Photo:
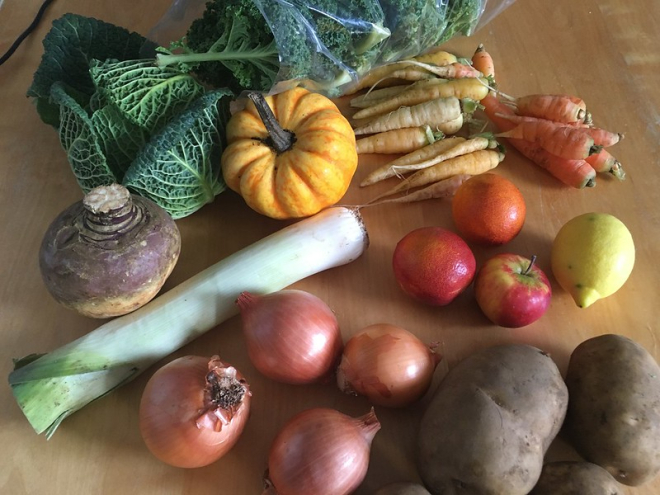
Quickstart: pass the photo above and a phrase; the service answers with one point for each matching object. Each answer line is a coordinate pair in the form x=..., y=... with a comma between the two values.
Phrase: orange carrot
x=564, y=141
x=497, y=112
x=558, y=108
x=603, y=161
x=483, y=62
x=601, y=137
x=574, y=173
x=404, y=140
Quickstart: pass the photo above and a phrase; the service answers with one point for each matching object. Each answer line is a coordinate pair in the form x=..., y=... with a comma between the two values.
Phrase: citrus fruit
x=592, y=257
x=433, y=265
x=488, y=209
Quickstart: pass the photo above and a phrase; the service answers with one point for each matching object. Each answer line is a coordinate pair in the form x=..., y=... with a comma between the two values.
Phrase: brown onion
x=292, y=336
x=321, y=451
x=193, y=411
x=387, y=364
x=110, y=253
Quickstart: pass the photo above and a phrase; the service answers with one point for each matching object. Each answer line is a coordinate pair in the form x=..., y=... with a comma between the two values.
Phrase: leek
x=53, y=386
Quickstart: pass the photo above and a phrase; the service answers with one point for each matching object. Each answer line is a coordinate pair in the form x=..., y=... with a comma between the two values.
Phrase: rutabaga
x=51, y=387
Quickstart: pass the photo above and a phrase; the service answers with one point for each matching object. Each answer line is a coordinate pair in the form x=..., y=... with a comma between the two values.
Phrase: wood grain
x=604, y=51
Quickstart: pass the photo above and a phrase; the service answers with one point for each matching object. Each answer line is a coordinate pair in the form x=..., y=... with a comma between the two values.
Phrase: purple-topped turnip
x=109, y=253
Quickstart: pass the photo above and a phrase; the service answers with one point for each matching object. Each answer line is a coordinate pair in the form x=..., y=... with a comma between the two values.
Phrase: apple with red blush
x=511, y=290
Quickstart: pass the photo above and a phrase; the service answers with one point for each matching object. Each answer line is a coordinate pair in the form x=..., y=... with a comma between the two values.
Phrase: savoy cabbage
x=122, y=119
x=69, y=47
x=146, y=94
x=179, y=168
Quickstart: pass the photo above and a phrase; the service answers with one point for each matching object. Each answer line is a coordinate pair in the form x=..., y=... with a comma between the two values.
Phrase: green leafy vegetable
x=148, y=95
x=121, y=118
x=328, y=41
x=233, y=45
x=79, y=139
x=179, y=168
x=229, y=46
x=462, y=18
x=415, y=26
x=120, y=139
x=71, y=44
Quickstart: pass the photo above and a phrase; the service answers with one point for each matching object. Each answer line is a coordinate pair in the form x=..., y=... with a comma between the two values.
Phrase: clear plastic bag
x=328, y=44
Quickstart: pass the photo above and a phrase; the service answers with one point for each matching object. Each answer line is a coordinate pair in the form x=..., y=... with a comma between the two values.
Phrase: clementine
x=433, y=265
x=488, y=209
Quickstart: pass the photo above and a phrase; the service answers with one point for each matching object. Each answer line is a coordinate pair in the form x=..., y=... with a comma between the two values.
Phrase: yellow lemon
x=592, y=257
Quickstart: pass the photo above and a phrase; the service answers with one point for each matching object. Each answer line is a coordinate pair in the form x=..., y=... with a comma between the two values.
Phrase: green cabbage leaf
x=148, y=95
x=69, y=47
x=79, y=139
x=123, y=119
x=179, y=168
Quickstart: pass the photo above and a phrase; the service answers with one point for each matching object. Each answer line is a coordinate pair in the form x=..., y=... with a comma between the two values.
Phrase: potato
x=490, y=422
x=402, y=488
x=575, y=478
x=613, y=416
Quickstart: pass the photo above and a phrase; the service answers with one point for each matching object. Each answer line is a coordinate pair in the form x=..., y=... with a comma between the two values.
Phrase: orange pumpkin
x=289, y=155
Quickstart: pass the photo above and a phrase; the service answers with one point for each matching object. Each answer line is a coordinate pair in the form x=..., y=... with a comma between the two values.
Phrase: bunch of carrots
x=554, y=131
x=417, y=110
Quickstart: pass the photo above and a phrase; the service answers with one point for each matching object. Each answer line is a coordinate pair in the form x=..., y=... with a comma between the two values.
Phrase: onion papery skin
x=180, y=424
x=321, y=451
x=292, y=336
x=387, y=364
x=110, y=253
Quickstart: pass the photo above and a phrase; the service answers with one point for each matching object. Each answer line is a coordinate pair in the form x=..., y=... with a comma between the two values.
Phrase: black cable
x=27, y=32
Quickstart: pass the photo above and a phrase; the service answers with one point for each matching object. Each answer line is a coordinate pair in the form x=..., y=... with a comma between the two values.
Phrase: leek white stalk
x=51, y=387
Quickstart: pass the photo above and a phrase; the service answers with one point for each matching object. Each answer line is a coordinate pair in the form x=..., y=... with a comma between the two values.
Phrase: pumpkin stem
x=280, y=139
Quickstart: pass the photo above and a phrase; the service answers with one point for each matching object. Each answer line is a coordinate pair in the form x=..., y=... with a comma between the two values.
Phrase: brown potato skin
x=613, y=416
x=490, y=422
x=575, y=478
x=402, y=488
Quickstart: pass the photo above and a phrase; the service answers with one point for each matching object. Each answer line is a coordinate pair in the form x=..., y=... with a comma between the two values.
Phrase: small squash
x=289, y=155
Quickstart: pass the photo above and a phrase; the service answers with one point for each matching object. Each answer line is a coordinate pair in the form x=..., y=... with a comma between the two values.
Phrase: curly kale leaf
x=229, y=46
x=79, y=139
x=179, y=168
x=415, y=26
x=462, y=17
x=71, y=44
x=327, y=41
x=249, y=44
x=148, y=95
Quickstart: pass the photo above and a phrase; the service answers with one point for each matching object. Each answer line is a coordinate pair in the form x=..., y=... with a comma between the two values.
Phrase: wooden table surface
x=604, y=51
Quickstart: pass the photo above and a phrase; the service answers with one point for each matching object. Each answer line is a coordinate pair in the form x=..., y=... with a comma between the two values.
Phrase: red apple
x=511, y=290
